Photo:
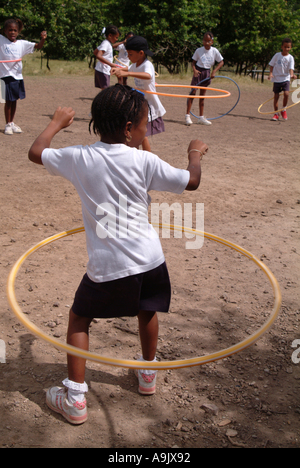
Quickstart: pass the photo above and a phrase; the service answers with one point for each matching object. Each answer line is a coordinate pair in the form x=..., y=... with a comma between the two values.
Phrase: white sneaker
x=203, y=121
x=188, y=120
x=147, y=381
x=15, y=128
x=56, y=399
x=8, y=129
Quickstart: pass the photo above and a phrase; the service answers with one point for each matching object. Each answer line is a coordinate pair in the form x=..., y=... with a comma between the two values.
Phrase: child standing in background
x=104, y=54
x=126, y=273
x=123, y=59
x=281, y=73
x=11, y=51
x=203, y=59
x=143, y=73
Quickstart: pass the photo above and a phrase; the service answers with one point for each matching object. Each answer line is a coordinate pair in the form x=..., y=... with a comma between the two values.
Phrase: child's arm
x=220, y=64
x=120, y=72
x=196, y=72
x=271, y=73
x=293, y=76
x=99, y=55
x=43, y=38
x=116, y=44
x=62, y=118
x=196, y=150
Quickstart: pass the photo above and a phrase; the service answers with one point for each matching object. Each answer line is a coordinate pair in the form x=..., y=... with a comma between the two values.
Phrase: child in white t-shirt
x=11, y=52
x=143, y=73
x=126, y=272
x=122, y=59
x=281, y=72
x=203, y=59
x=105, y=55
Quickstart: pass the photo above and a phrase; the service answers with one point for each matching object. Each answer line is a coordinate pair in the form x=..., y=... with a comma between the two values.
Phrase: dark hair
x=210, y=34
x=287, y=39
x=111, y=29
x=113, y=107
x=10, y=21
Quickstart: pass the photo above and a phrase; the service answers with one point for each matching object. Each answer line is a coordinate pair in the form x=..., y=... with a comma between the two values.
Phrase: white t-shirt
x=113, y=183
x=157, y=109
x=282, y=65
x=207, y=58
x=108, y=55
x=123, y=55
x=10, y=51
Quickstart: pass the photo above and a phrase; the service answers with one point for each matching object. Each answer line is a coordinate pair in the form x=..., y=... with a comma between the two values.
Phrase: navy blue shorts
x=102, y=80
x=204, y=75
x=155, y=127
x=14, y=89
x=278, y=87
x=124, y=297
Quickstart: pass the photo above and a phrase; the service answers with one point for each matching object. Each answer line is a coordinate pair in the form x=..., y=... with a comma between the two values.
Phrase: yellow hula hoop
x=226, y=93
x=131, y=363
x=272, y=112
x=120, y=62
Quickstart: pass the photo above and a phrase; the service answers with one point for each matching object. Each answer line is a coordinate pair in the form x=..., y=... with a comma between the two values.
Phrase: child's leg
x=148, y=328
x=190, y=102
x=70, y=400
x=201, y=103
x=276, y=99
x=285, y=98
x=78, y=335
x=10, y=110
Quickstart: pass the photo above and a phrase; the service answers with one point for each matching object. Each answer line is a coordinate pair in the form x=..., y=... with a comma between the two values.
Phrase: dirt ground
x=250, y=192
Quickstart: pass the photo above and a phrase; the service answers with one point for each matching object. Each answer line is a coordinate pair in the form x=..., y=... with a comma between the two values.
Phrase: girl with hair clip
x=126, y=271
x=11, y=52
x=105, y=55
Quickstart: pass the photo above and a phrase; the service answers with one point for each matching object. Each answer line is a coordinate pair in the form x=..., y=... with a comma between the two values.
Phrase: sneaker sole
x=147, y=391
x=76, y=420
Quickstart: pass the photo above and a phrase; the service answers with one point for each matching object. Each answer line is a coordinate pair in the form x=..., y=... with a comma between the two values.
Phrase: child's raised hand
x=44, y=34
x=198, y=146
x=63, y=116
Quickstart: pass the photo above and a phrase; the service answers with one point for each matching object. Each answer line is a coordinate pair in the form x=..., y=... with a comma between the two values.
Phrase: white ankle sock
x=148, y=371
x=76, y=391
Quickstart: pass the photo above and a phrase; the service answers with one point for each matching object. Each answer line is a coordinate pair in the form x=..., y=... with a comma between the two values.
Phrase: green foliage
x=248, y=32
x=251, y=32
x=174, y=29
x=72, y=26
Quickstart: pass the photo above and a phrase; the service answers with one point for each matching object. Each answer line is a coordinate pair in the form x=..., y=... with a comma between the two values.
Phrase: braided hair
x=113, y=107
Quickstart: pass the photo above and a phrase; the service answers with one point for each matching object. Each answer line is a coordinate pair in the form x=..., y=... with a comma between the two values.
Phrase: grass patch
x=35, y=65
